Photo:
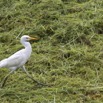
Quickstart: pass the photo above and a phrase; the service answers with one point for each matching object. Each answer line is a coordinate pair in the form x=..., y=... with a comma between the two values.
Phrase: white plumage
x=18, y=59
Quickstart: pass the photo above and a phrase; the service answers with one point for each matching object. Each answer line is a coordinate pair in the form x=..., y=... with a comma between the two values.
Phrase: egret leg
x=32, y=77
x=5, y=78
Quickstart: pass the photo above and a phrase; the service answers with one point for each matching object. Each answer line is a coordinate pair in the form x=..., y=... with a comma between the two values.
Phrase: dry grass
x=68, y=55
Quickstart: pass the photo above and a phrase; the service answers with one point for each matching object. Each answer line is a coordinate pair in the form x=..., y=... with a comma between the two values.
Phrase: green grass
x=68, y=55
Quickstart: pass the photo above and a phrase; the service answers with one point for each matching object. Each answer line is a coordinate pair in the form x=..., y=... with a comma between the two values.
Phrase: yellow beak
x=31, y=38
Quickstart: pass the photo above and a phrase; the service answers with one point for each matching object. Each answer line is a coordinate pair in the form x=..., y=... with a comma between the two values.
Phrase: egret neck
x=28, y=48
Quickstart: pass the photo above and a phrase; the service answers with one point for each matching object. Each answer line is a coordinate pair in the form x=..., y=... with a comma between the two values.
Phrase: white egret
x=18, y=59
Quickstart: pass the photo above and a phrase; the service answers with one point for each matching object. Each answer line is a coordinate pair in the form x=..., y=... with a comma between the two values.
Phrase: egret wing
x=16, y=59
x=11, y=62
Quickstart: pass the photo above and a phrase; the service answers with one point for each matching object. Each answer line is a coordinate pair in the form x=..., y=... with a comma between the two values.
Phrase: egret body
x=18, y=59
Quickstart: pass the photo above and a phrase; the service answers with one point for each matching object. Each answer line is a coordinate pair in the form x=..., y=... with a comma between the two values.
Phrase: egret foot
x=39, y=83
x=3, y=82
x=5, y=78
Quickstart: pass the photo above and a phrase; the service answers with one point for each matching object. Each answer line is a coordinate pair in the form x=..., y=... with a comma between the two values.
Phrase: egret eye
x=27, y=38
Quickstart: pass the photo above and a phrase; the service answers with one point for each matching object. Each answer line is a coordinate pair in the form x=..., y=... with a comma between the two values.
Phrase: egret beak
x=33, y=38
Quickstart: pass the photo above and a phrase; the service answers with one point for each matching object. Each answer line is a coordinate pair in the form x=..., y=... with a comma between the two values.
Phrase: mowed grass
x=68, y=55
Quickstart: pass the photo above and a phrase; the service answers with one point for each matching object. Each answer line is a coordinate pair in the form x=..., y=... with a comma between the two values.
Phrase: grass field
x=68, y=56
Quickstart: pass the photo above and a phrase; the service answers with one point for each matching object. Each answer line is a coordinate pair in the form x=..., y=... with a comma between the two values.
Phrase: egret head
x=27, y=38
